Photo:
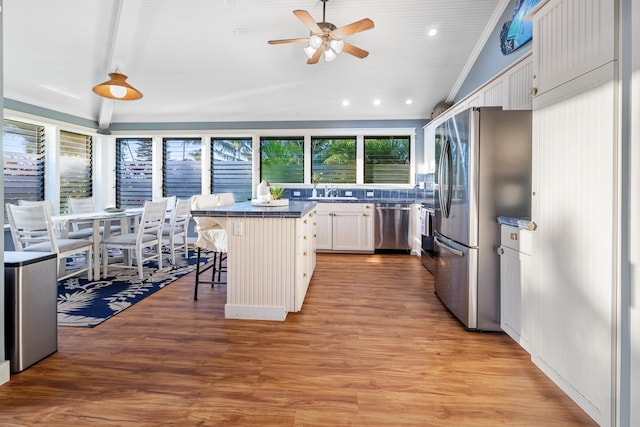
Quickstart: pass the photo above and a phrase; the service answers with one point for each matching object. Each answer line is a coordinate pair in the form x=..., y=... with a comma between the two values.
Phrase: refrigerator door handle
x=447, y=247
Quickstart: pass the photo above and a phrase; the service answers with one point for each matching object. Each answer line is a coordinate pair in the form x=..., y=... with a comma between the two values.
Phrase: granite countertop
x=295, y=209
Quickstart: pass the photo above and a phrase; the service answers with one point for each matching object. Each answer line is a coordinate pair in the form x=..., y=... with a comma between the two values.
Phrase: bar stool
x=212, y=237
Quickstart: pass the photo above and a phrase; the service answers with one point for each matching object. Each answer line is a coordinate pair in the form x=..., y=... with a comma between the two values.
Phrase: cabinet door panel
x=574, y=158
x=347, y=231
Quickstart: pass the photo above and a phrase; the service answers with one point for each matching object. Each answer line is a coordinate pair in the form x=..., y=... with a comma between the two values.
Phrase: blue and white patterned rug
x=87, y=304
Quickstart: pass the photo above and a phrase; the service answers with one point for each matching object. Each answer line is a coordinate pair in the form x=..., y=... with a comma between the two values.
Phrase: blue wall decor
x=517, y=31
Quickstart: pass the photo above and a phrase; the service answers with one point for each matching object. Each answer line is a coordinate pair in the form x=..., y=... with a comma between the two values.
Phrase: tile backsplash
x=372, y=193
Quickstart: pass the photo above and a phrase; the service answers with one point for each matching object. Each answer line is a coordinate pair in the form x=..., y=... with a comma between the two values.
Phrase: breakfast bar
x=271, y=256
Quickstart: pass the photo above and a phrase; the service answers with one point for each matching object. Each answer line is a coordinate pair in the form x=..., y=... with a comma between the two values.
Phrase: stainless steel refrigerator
x=483, y=171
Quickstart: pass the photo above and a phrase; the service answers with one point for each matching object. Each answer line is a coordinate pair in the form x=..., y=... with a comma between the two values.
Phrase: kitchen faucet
x=331, y=190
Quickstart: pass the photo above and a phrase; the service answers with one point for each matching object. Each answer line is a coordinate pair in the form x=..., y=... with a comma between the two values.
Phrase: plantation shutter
x=23, y=162
x=134, y=172
x=231, y=167
x=75, y=167
x=182, y=167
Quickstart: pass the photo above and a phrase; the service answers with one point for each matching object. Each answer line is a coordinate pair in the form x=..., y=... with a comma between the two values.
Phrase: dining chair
x=211, y=237
x=85, y=233
x=177, y=228
x=82, y=205
x=32, y=231
x=147, y=236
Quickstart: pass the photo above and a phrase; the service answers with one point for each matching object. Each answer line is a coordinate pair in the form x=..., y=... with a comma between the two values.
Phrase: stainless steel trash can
x=31, y=315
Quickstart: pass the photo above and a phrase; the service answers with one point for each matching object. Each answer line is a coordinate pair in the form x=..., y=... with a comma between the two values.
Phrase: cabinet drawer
x=517, y=239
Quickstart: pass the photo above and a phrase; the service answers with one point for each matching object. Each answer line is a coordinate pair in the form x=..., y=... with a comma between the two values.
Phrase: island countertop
x=295, y=209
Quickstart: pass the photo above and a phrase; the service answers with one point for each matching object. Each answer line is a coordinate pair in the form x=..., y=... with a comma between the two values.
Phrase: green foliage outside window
x=335, y=159
x=386, y=160
x=282, y=160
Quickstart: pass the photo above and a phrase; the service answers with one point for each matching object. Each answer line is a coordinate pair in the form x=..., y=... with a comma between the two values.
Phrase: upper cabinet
x=571, y=39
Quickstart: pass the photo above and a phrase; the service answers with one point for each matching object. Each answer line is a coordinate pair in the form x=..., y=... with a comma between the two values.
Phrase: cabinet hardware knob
x=304, y=253
x=365, y=214
x=305, y=237
x=532, y=226
x=533, y=91
x=500, y=250
x=305, y=221
x=513, y=236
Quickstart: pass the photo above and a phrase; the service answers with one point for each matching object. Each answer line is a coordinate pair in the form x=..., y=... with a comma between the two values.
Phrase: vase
x=314, y=193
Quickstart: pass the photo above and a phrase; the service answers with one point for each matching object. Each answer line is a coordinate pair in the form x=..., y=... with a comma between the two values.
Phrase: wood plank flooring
x=372, y=346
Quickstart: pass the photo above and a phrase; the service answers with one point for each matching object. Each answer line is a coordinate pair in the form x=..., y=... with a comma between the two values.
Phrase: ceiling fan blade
x=355, y=27
x=288, y=41
x=355, y=51
x=316, y=56
x=308, y=21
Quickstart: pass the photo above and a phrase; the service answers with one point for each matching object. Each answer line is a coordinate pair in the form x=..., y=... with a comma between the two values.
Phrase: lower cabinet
x=345, y=227
x=516, y=314
x=305, y=256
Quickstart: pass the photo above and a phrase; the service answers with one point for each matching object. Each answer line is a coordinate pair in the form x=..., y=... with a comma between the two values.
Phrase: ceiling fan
x=326, y=37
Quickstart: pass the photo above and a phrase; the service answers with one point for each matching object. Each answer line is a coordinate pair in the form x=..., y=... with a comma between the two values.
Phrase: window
x=386, y=160
x=133, y=172
x=231, y=168
x=282, y=159
x=23, y=162
x=75, y=167
x=335, y=159
x=182, y=167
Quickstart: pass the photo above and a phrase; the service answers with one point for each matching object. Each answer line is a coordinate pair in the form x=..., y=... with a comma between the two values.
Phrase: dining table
x=62, y=223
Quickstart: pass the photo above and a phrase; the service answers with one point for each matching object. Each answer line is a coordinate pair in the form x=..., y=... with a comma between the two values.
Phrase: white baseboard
x=254, y=312
x=5, y=371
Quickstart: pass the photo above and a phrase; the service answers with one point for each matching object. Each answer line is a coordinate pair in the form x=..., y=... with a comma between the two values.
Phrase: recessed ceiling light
x=376, y=102
x=345, y=103
x=432, y=32
x=409, y=101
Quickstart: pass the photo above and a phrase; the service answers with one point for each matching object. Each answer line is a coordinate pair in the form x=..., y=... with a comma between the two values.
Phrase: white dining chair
x=83, y=205
x=147, y=236
x=86, y=233
x=32, y=231
x=211, y=237
x=174, y=234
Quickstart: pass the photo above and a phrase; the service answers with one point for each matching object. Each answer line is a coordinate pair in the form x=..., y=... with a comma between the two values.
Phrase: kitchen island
x=271, y=256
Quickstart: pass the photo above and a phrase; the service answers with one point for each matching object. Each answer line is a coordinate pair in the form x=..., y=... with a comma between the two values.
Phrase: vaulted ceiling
x=209, y=60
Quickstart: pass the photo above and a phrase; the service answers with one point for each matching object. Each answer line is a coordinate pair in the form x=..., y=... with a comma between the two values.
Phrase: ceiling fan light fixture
x=337, y=46
x=309, y=51
x=117, y=88
x=315, y=41
x=329, y=55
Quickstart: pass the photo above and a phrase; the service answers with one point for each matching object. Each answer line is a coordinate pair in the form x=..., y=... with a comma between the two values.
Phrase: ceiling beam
x=125, y=19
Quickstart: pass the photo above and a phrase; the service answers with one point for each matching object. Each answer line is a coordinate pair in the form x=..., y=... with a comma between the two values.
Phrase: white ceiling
x=209, y=61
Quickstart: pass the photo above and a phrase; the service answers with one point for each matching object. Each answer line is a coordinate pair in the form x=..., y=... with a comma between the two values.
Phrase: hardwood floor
x=372, y=346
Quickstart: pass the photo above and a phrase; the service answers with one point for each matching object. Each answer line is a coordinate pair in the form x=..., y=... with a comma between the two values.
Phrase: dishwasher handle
x=383, y=208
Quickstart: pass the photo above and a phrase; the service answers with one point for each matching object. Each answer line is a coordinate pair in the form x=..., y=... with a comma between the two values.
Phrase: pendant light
x=117, y=88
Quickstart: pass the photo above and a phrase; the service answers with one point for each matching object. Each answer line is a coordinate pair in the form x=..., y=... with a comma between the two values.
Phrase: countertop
x=296, y=209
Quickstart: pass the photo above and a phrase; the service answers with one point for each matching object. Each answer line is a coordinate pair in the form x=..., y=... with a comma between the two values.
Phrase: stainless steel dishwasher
x=392, y=226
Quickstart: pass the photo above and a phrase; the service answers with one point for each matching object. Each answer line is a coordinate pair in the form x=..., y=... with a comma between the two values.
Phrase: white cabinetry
x=574, y=156
x=510, y=90
x=571, y=38
x=345, y=227
x=516, y=308
x=305, y=256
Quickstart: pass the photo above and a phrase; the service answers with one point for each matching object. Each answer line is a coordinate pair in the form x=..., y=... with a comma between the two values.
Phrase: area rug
x=82, y=303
